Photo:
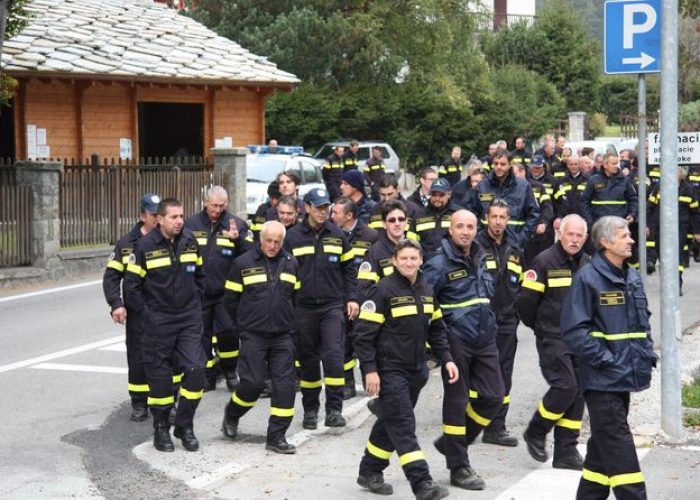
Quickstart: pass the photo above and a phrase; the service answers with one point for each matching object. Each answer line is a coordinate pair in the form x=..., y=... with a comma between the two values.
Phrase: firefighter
x=111, y=285
x=544, y=234
x=451, y=168
x=361, y=237
x=609, y=193
x=374, y=171
x=273, y=194
x=463, y=287
x=433, y=221
x=259, y=296
x=389, y=190
x=605, y=323
x=332, y=172
x=504, y=260
x=350, y=158
x=426, y=177
x=399, y=316
x=352, y=186
x=328, y=294
x=520, y=156
x=545, y=285
x=288, y=212
x=164, y=284
x=694, y=180
x=221, y=237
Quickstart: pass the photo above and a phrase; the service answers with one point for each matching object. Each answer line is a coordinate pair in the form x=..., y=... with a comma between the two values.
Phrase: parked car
x=600, y=147
x=391, y=159
x=263, y=167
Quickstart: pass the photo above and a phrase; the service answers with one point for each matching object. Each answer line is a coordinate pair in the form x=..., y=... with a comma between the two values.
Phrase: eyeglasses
x=499, y=202
x=392, y=220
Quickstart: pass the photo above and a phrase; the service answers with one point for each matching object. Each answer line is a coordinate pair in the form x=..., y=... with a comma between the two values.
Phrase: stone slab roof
x=131, y=40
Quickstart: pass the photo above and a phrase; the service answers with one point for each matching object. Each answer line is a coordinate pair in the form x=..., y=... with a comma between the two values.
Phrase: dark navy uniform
x=375, y=219
x=694, y=180
x=392, y=329
x=164, y=283
x=332, y=172
x=451, y=170
x=540, y=242
x=605, y=323
x=328, y=281
x=218, y=253
x=567, y=195
x=521, y=157
x=377, y=264
x=463, y=288
x=350, y=160
x=505, y=263
x=606, y=195
x=111, y=285
x=431, y=225
x=260, y=299
x=374, y=171
x=545, y=286
x=259, y=218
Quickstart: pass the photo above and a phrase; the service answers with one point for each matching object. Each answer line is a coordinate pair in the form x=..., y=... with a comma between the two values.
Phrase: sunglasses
x=392, y=220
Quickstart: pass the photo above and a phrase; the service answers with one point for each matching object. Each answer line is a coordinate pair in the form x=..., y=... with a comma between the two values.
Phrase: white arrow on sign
x=643, y=60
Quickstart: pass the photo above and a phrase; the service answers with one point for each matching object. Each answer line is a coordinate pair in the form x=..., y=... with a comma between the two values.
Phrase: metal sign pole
x=671, y=411
x=642, y=176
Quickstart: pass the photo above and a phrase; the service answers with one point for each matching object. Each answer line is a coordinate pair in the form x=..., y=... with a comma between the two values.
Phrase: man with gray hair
x=221, y=237
x=545, y=285
x=605, y=324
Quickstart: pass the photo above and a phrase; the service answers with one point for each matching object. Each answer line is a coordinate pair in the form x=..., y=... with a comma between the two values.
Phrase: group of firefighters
x=443, y=278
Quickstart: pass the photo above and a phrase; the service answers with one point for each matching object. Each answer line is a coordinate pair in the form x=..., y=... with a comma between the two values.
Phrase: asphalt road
x=66, y=432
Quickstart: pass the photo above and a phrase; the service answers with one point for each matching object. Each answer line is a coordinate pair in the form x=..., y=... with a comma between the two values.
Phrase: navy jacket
x=608, y=196
x=116, y=267
x=431, y=226
x=605, y=322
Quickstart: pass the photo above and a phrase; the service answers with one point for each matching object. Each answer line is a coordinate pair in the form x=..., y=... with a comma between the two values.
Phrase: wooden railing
x=15, y=225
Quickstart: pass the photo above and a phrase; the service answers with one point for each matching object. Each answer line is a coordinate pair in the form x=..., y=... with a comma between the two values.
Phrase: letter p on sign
x=629, y=28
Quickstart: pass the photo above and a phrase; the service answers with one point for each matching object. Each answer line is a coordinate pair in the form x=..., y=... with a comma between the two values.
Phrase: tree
x=12, y=19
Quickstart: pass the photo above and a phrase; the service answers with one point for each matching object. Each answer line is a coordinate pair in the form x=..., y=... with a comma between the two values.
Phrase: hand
x=452, y=371
x=629, y=219
x=232, y=233
x=353, y=310
x=541, y=228
x=556, y=223
x=696, y=237
x=372, y=383
x=119, y=315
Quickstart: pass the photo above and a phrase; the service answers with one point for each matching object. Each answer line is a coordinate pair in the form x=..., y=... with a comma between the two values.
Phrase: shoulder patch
x=132, y=258
x=530, y=275
x=368, y=306
x=365, y=267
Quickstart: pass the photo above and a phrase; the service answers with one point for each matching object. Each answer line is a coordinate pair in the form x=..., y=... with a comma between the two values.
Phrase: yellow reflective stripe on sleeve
x=491, y=264
x=428, y=308
x=516, y=222
x=240, y=402
x=558, y=282
x=334, y=249
x=377, y=224
x=412, y=456
x=506, y=399
x=225, y=242
x=289, y=278
x=297, y=252
x=568, y=424
x=136, y=269
x=595, y=477
x=512, y=266
x=685, y=199
x=281, y=412
x=651, y=244
x=473, y=394
x=445, y=224
x=350, y=365
x=454, y=430
x=297, y=285
x=310, y=384
x=466, y=303
x=548, y=415
x=251, y=280
x=476, y=417
x=138, y=387
x=424, y=226
x=437, y=315
x=156, y=263
x=214, y=339
x=233, y=286
x=347, y=256
x=116, y=265
x=334, y=381
x=388, y=271
x=191, y=395
x=368, y=275
x=210, y=363
x=371, y=316
x=608, y=202
x=398, y=312
x=188, y=257
x=202, y=241
x=177, y=378
x=378, y=452
x=533, y=285
x=619, y=336
x=169, y=400
x=228, y=354
x=629, y=478
x=410, y=235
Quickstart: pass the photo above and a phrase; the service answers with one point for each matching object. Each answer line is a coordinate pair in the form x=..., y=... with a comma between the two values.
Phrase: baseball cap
x=149, y=203
x=537, y=161
x=440, y=186
x=317, y=197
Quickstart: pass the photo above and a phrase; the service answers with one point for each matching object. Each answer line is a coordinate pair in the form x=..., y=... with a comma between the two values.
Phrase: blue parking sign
x=632, y=36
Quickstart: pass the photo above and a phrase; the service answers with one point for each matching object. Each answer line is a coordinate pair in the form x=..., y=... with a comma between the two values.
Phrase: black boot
x=139, y=413
x=375, y=484
x=229, y=426
x=281, y=446
x=535, y=447
x=334, y=419
x=430, y=490
x=186, y=435
x=161, y=436
x=310, y=419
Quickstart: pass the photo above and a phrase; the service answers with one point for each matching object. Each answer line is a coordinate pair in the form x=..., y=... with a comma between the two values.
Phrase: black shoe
x=570, y=462
x=349, y=392
x=651, y=268
x=334, y=419
x=440, y=445
x=467, y=479
x=535, y=447
x=186, y=435
x=310, y=419
x=501, y=438
x=210, y=384
x=430, y=490
x=374, y=407
x=229, y=426
x=139, y=414
x=282, y=447
x=161, y=437
x=375, y=484
x=232, y=380
x=267, y=390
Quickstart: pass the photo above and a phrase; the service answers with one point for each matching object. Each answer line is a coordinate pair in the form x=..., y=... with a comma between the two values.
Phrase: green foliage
x=16, y=21
x=597, y=123
x=689, y=8
x=619, y=94
x=690, y=395
x=689, y=114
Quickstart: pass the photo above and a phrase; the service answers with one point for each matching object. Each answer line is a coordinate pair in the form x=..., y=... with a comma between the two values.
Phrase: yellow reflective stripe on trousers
x=398, y=312
x=191, y=395
x=116, y=265
x=533, y=285
x=476, y=417
x=156, y=263
x=506, y=399
x=297, y=252
x=138, y=387
x=233, y=286
x=568, y=424
x=548, y=415
x=558, y=282
x=595, y=477
x=169, y=400
x=378, y=452
x=411, y=456
x=334, y=381
x=177, y=378
x=240, y=402
x=619, y=336
x=350, y=365
x=136, y=269
x=473, y=394
x=251, y=280
x=466, y=303
x=281, y=412
x=228, y=354
x=371, y=316
x=454, y=430
x=629, y=478
x=311, y=384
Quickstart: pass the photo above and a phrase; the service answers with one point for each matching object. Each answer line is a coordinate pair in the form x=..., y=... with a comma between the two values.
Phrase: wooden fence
x=99, y=202
x=629, y=124
x=15, y=224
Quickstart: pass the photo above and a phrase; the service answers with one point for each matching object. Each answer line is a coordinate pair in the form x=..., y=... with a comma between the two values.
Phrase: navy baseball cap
x=317, y=197
x=537, y=161
x=440, y=186
x=149, y=203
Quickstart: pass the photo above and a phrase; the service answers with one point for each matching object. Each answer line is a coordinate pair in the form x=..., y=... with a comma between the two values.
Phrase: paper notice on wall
x=41, y=137
x=125, y=148
x=43, y=151
x=31, y=141
x=228, y=142
x=219, y=143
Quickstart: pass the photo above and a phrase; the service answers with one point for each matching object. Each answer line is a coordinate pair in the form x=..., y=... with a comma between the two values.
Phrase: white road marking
x=80, y=368
x=118, y=347
x=60, y=354
x=49, y=291
x=546, y=483
x=210, y=478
